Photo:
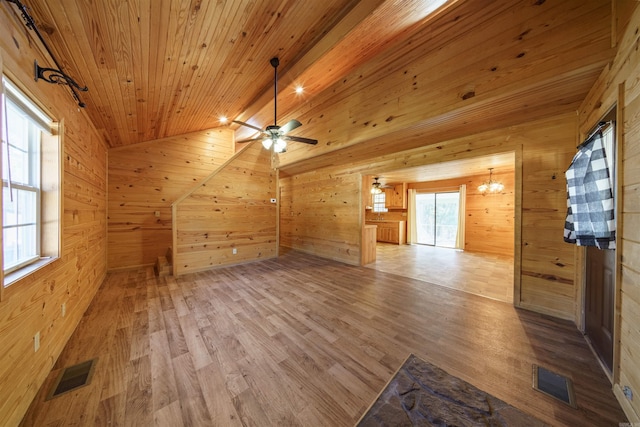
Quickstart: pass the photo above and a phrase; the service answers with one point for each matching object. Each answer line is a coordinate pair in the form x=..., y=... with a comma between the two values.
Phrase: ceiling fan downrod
x=274, y=63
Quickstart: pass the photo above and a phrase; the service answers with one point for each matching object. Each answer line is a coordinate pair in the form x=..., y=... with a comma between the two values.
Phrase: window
x=379, y=202
x=30, y=195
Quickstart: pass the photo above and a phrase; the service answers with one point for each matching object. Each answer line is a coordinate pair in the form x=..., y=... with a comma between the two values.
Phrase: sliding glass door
x=437, y=218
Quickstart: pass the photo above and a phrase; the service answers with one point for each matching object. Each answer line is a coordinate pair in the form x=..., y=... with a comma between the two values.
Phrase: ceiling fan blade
x=260, y=138
x=301, y=139
x=248, y=125
x=289, y=126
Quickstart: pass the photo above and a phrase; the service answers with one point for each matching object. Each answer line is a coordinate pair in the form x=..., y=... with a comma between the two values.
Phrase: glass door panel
x=426, y=218
x=437, y=218
x=446, y=219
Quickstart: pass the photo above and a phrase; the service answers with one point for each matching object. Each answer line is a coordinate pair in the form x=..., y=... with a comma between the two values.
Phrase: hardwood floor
x=303, y=341
x=486, y=275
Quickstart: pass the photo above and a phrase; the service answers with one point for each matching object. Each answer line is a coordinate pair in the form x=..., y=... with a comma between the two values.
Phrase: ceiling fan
x=377, y=186
x=276, y=135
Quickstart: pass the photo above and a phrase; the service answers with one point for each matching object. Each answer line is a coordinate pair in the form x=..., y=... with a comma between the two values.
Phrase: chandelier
x=491, y=186
x=375, y=187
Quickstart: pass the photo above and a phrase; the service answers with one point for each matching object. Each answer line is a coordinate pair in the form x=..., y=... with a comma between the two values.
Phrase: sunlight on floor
x=486, y=275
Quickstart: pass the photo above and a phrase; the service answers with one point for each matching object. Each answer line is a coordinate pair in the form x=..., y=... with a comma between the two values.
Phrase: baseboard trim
x=129, y=267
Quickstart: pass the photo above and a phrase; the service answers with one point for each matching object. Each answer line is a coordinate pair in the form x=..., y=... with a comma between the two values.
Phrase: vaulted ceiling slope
x=379, y=75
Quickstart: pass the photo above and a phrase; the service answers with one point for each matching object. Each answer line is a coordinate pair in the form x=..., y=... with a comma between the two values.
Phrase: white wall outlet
x=36, y=341
x=234, y=251
x=63, y=309
x=273, y=200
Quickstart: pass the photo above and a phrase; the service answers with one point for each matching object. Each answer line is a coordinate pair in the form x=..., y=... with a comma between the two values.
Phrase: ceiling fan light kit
x=276, y=136
x=376, y=187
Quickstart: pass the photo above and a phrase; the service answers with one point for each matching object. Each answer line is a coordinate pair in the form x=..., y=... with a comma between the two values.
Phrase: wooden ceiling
x=379, y=75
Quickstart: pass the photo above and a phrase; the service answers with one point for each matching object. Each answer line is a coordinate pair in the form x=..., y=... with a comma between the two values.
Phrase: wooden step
x=163, y=267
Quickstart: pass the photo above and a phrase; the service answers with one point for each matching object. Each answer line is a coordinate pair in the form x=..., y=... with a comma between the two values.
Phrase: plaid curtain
x=590, y=207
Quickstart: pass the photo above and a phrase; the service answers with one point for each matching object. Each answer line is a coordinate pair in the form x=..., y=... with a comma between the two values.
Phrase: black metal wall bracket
x=50, y=75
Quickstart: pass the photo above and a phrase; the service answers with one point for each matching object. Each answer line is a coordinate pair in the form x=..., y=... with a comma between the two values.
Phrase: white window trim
x=53, y=129
x=376, y=204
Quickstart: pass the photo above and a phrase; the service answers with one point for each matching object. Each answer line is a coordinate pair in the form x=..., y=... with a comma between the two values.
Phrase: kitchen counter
x=388, y=230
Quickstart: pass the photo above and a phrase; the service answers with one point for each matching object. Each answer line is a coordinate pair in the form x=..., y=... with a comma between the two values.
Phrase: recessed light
x=223, y=119
x=299, y=89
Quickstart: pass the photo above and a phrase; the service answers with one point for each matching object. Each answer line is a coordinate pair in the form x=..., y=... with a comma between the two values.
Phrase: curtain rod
x=597, y=129
x=55, y=75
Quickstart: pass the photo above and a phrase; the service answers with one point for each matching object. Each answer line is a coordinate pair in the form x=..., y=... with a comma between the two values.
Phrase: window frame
x=38, y=224
x=435, y=194
x=32, y=152
x=49, y=207
x=379, y=202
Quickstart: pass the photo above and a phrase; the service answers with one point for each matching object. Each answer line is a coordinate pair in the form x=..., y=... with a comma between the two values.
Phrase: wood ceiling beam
x=286, y=77
x=362, y=34
x=531, y=65
x=475, y=118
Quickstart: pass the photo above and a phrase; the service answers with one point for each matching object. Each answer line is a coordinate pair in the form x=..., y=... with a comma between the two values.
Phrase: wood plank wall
x=489, y=218
x=547, y=262
x=33, y=304
x=482, y=77
x=229, y=210
x=147, y=178
x=619, y=85
x=321, y=213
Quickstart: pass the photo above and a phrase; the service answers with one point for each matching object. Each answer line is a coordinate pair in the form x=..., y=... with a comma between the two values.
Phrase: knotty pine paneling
x=547, y=262
x=153, y=66
x=33, y=304
x=619, y=84
x=147, y=178
x=536, y=58
x=544, y=148
x=320, y=213
x=229, y=210
x=489, y=218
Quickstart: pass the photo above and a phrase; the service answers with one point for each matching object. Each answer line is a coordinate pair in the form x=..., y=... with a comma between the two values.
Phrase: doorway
x=481, y=261
x=600, y=271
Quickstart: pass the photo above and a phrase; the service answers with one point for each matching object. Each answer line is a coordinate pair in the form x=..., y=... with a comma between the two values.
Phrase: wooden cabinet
x=390, y=231
x=396, y=197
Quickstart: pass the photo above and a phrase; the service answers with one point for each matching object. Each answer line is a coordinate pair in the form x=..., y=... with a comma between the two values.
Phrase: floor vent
x=72, y=378
x=554, y=385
